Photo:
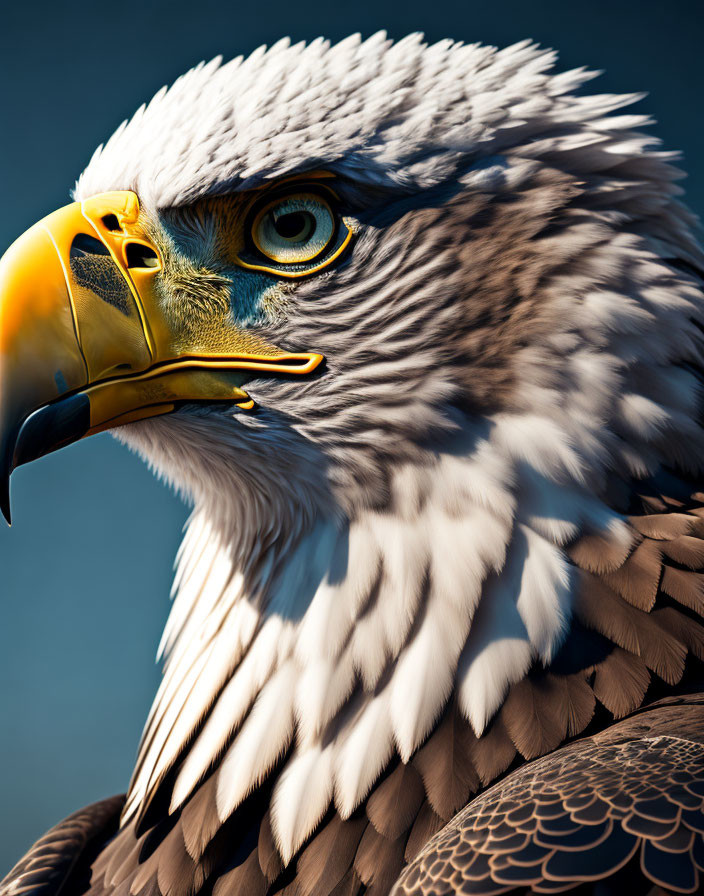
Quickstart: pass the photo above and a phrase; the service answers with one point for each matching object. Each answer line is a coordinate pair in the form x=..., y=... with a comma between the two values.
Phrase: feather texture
x=472, y=535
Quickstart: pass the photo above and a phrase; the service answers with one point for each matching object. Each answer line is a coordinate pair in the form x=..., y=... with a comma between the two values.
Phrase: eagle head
x=400, y=321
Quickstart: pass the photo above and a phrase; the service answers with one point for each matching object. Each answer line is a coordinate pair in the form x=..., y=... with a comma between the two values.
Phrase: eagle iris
x=294, y=230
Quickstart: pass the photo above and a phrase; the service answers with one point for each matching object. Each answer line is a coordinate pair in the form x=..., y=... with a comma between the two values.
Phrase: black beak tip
x=6, y=466
x=44, y=430
x=5, y=502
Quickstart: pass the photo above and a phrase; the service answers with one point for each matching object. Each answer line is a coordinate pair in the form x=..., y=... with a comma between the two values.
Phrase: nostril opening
x=111, y=222
x=140, y=256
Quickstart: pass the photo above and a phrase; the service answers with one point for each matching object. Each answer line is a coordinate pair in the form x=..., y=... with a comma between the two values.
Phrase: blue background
x=86, y=567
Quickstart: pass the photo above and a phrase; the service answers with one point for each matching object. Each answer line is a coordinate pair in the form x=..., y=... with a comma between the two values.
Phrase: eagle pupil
x=293, y=226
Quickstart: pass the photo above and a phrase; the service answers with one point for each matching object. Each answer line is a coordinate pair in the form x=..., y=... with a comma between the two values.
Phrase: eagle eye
x=295, y=234
x=294, y=230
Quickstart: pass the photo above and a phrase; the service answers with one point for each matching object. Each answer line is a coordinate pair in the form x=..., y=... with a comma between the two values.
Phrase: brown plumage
x=626, y=804
x=64, y=851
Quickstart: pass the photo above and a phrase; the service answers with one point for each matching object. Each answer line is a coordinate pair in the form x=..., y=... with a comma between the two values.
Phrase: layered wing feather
x=626, y=803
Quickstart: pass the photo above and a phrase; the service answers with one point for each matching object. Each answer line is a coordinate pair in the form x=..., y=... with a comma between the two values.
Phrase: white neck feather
x=350, y=640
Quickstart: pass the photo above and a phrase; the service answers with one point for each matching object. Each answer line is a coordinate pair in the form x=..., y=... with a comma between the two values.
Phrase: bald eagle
x=419, y=331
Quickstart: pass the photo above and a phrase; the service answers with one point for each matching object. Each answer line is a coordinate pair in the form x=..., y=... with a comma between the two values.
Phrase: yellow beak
x=88, y=341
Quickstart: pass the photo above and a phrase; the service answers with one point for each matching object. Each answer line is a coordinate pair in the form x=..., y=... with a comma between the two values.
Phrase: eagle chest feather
x=638, y=637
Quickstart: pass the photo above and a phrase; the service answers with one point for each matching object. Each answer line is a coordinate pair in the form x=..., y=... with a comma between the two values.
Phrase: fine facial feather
x=396, y=542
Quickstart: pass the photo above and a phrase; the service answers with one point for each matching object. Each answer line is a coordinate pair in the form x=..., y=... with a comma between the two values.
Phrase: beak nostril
x=111, y=223
x=140, y=256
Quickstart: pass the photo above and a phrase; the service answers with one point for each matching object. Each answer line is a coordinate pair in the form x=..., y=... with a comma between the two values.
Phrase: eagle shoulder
x=624, y=805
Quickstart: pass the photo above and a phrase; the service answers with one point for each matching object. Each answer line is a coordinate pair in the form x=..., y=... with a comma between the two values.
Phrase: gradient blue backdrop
x=86, y=567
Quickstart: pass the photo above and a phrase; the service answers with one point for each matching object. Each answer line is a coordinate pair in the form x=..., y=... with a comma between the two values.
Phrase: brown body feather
x=624, y=807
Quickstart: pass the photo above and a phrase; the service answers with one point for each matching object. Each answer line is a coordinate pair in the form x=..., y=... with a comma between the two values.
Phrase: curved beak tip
x=5, y=499
x=6, y=467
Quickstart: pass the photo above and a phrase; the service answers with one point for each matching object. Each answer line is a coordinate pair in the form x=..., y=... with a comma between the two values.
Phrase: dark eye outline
x=252, y=257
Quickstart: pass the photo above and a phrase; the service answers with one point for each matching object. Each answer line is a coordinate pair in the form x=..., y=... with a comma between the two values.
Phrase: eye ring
x=252, y=255
x=294, y=230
